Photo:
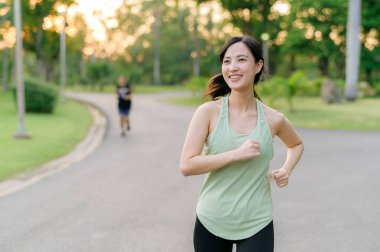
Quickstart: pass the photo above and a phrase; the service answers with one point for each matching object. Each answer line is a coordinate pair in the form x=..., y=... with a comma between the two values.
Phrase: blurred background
x=170, y=41
x=323, y=64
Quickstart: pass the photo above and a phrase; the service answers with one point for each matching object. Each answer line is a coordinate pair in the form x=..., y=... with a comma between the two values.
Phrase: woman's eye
x=226, y=61
x=242, y=60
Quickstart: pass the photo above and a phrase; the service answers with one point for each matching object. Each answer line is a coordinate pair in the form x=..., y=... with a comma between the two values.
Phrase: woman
x=124, y=92
x=231, y=140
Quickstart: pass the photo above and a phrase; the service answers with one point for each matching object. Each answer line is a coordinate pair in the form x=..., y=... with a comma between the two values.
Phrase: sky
x=106, y=7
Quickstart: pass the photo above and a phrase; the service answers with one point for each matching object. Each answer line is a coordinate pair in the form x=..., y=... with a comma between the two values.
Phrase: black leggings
x=204, y=241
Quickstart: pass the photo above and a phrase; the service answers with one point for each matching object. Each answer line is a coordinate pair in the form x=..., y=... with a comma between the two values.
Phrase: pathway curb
x=88, y=145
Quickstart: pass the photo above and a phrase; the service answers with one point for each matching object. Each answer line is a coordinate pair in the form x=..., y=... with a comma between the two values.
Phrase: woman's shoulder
x=210, y=108
x=274, y=117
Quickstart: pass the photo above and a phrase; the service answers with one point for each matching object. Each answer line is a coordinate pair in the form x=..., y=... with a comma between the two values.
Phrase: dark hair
x=217, y=86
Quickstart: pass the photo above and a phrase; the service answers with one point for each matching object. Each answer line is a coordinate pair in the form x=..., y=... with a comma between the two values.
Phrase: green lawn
x=52, y=135
x=138, y=89
x=364, y=114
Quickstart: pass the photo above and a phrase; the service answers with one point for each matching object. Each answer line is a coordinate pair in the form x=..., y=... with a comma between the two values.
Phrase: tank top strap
x=224, y=109
x=260, y=109
x=224, y=113
x=262, y=119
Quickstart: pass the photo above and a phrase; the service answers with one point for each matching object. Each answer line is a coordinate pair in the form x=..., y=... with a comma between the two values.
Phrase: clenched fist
x=281, y=177
x=249, y=149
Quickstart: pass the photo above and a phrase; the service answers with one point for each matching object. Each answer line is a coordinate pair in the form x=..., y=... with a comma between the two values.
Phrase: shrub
x=197, y=85
x=39, y=97
x=274, y=89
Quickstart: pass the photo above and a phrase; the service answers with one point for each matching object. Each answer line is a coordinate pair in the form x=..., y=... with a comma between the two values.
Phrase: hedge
x=40, y=97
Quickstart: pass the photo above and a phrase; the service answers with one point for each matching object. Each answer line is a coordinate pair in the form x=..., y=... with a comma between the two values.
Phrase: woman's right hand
x=248, y=150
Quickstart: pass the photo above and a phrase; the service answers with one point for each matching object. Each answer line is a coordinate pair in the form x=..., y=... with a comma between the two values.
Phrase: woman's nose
x=233, y=66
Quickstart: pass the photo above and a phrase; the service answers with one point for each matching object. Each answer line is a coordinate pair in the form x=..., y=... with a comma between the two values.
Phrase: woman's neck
x=242, y=101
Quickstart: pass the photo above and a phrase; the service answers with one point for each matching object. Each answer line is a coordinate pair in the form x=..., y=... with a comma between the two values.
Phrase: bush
x=197, y=85
x=39, y=97
x=274, y=89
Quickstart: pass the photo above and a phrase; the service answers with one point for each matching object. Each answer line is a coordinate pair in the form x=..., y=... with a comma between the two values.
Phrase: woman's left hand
x=281, y=176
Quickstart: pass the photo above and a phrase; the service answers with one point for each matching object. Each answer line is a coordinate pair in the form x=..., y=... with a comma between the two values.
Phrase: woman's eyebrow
x=240, y=55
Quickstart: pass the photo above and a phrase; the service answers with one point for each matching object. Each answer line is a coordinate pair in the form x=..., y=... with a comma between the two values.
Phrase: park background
x=126, y=193
x=172, y=45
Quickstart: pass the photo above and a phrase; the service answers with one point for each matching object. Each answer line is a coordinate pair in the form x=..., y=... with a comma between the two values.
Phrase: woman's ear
x=258, y=66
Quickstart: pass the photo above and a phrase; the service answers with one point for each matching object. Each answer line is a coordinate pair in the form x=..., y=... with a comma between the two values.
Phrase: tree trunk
x=39, y=67
x=196, y=67
x=156, y=63
x=353, y=50
x=368, y=76
x=4, y=75
x=49, y=72
x=248, y=27
x=323, y=65
x=340, y=66
x=292, y=64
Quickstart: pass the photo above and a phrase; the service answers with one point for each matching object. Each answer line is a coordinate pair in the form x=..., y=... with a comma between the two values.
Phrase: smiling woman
x=230, y=140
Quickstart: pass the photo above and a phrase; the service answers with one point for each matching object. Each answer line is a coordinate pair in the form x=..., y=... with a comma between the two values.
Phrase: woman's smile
x=235, y=77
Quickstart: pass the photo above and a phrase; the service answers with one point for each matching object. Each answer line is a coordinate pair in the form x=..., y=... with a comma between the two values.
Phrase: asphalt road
x=129, y=195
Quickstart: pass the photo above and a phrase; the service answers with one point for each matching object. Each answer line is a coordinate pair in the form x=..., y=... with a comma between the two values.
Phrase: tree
x=45, y=43
x=5, y=43
x=317, y=29
x=370, y=51
x=252, y=16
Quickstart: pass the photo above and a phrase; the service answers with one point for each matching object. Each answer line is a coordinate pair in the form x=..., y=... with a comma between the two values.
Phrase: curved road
x=129, y=196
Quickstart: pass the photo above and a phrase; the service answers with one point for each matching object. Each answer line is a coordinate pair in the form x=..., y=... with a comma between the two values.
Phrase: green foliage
x=377, y=89
x=297, y=84
x=311, y=38
x=44, y=43
x=313, y=113
x=100, y=72
x=311, y=25
x=370, y=59
x=273, y=89
x=40, y=97
x=197, y=85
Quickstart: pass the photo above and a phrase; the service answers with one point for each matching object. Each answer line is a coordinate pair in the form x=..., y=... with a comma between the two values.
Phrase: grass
x=311, y=112
x=52, y=135
x=138, y=89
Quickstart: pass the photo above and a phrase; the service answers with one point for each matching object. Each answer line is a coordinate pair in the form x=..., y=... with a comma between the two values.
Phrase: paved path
x=129, y=195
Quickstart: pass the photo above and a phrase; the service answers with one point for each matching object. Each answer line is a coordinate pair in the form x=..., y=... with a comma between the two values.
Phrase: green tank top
x=235, y=201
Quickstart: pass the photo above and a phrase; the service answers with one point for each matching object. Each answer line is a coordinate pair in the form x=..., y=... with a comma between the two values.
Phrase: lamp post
x=353, y=50
x=62, y=53
x=20, y=93
x=265, y=37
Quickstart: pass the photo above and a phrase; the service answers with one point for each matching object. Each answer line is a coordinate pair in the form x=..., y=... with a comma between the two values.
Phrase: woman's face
x=239, y=67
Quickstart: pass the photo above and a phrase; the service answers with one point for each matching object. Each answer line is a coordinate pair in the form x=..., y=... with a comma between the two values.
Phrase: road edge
x=93, y=139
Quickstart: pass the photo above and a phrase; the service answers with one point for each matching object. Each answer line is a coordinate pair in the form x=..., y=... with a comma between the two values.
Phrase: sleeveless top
x=121, y=92
x=235, y=201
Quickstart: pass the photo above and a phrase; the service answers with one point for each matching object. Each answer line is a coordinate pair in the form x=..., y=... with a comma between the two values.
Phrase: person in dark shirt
x=124, y=92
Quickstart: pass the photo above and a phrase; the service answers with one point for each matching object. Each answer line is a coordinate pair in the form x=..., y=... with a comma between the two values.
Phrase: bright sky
x=106, y=7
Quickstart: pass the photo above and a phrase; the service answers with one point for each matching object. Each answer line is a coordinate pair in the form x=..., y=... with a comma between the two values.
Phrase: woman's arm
x=291, y=139
x=193, y=162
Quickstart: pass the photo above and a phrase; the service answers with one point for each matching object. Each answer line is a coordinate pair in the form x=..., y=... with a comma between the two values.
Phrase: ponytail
x=218, y=87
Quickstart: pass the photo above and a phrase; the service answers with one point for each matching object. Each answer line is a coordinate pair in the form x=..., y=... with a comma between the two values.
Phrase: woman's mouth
x=234, y=77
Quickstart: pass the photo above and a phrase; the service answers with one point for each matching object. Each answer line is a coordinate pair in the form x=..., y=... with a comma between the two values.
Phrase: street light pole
x=62, y=53
x=20, y=90
x=265, y=37
x=353, y=49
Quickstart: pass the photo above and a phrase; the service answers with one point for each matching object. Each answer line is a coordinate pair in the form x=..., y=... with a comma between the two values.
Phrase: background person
x=124, y=93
